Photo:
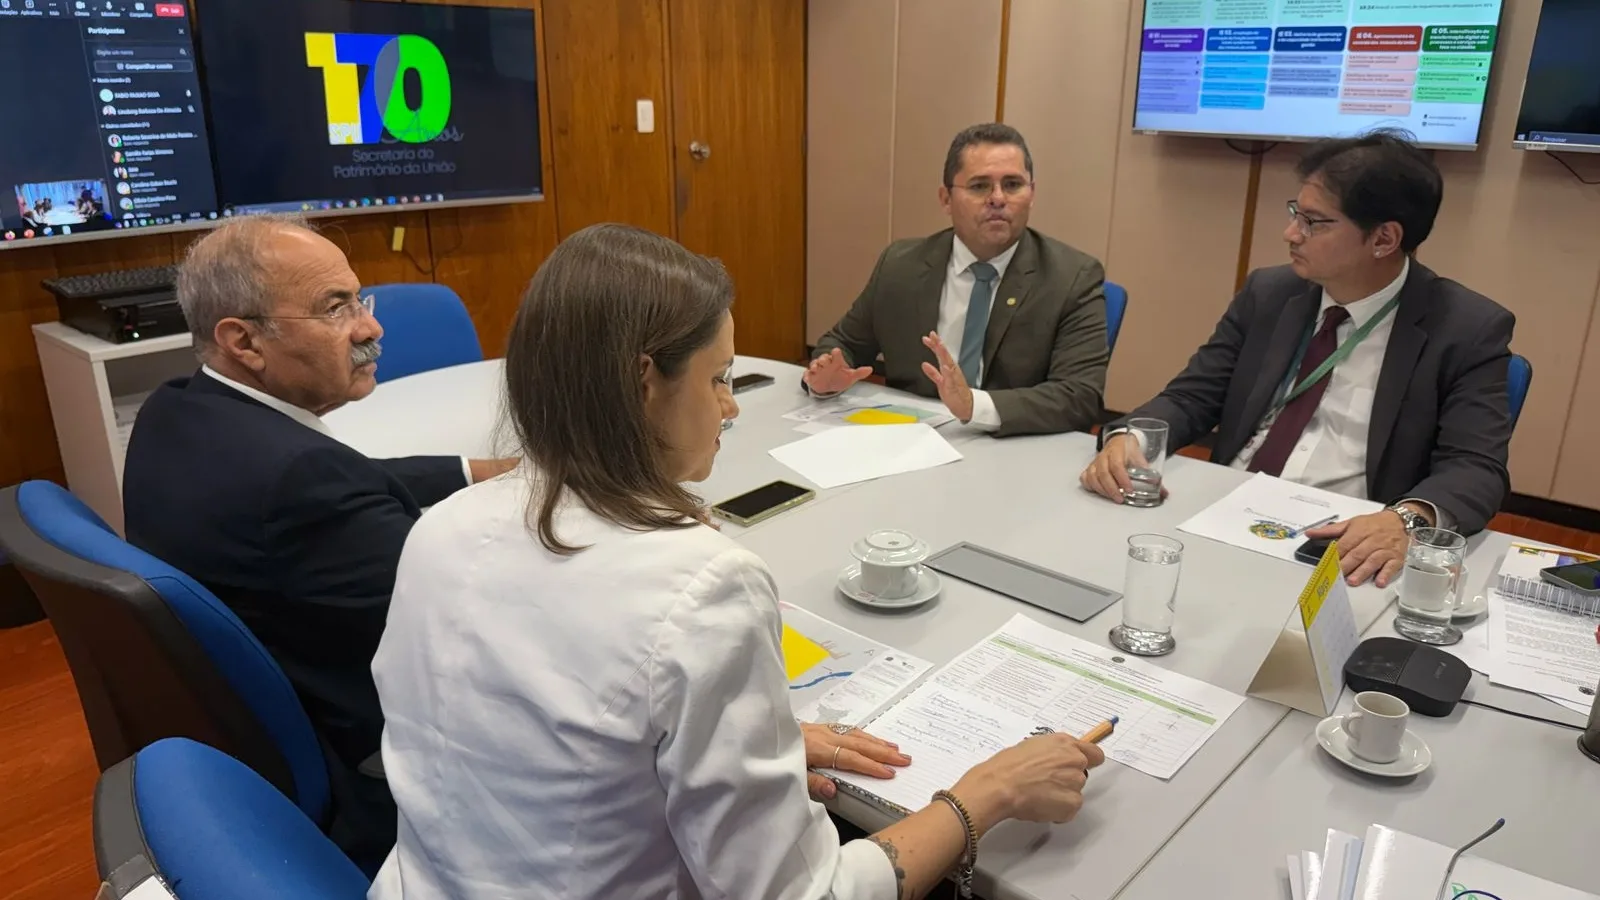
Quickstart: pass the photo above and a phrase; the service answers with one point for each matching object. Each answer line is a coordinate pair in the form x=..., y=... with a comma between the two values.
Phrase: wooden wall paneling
x=1064, y=92
x=947, y=76
x=27, y=432
x=850, y=71
x=739, y=86
x=603, y=57
x=487, y=254
x=368, y=241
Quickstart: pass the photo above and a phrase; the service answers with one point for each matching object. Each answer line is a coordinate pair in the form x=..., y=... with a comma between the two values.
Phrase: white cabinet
x=95, y=389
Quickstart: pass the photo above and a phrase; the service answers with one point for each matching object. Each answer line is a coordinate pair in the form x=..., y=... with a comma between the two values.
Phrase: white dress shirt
x=953, y=304
x=304, y=416
x=614, y=723
x=1332, y=452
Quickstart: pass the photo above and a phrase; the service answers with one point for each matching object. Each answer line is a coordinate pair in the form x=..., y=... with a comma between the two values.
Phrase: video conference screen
x=1561, y=101
x=1307, y=69
x=119, y=116
x=104, y=126
x=324, y=104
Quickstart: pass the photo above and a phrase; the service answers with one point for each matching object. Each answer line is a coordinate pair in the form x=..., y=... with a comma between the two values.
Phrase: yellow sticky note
x=800, y=653
x=879, y=417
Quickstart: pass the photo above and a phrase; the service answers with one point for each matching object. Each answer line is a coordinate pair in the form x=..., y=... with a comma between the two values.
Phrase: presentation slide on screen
x=1315, y=68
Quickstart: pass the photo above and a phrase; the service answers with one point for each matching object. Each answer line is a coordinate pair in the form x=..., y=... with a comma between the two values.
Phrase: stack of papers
x=841, y=456
x=1527, y=644
x=837, y=676
x=1387, y=864
x=867, y=408
x=1027, y=675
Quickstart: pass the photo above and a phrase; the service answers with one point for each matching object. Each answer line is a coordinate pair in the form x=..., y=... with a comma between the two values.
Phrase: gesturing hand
x=1373, y=544
x=949, y=379
x=853, y=751
x=830, y=374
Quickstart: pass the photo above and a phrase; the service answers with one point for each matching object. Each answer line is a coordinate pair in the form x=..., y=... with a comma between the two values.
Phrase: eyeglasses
x=1307, y=224
x=344, y=312
x=983, y=188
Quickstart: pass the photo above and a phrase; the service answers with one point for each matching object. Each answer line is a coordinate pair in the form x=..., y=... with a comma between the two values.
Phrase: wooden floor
x=47, y=767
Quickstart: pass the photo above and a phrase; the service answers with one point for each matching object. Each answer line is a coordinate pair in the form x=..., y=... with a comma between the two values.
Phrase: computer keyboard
x=114, y=284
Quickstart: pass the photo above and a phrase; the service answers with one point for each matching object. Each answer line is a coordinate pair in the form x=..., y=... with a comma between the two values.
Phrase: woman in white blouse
x=582, y=681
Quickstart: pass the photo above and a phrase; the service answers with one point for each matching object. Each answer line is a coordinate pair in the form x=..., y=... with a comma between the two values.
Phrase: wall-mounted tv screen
x=1289, y=70
x=137, y=124
x=1561, y=100
x=105, y=127
x=321, y=105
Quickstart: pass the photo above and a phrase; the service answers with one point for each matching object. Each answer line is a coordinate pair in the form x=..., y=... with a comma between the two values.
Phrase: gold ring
x=835, y=763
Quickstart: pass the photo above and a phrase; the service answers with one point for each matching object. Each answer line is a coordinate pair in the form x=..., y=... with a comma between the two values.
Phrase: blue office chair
x=1116, y=308
x=211, y=829
x=152, y=652
x=425, y=327
x=1518, y=380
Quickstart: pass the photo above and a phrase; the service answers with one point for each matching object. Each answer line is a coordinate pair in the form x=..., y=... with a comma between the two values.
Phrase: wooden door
x=739, y=108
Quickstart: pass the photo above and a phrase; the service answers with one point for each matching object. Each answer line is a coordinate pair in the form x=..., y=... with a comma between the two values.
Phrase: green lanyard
x=1337, y=356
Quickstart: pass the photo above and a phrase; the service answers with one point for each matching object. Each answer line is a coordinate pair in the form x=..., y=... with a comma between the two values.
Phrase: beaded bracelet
x=970, y=857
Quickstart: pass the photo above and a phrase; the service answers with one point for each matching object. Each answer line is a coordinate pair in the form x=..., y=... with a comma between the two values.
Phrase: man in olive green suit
x=1005, y=325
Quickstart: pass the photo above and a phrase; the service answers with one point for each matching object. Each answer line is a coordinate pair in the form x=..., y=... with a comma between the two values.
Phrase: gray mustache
x=365, y=352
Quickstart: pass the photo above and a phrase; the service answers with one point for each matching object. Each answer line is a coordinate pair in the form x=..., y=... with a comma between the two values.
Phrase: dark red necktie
x=1292, y=421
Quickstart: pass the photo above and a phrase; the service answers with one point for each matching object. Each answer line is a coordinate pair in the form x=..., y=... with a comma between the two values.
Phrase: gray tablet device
x=1050, y=591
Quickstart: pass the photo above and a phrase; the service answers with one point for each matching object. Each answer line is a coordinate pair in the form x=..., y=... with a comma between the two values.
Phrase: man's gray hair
x=224, y=276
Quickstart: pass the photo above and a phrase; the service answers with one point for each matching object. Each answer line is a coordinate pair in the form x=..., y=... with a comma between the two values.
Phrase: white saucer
x=850, y=585
x=1471, y=609
x=1415, y=757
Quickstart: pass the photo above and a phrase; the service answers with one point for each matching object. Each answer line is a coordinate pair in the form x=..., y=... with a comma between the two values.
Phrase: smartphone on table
x=762, y=503
x=1311, y=552
x=750, y=382
x=1584, y=578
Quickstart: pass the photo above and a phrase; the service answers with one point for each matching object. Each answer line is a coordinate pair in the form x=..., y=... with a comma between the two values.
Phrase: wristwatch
x=1411, y=518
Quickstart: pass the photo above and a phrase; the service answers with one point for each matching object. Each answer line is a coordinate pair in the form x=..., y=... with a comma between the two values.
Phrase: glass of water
x=1149, y=596
x=1144, y=468
x=1431, y=585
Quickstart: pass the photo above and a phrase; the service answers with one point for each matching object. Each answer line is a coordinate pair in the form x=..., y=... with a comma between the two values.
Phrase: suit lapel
x=1298, y=316
x=1399, y=361
x=1009, y=296
x=929, y=290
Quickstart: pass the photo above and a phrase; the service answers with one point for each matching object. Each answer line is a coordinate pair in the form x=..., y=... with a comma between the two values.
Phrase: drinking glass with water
x=1431, y=585
x=1145, y=464
x=1149, y=596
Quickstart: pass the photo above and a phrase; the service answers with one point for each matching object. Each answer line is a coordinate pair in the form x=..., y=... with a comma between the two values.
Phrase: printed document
x=843, y=456
x=1269, y=515
x=1027, y=675
x=1543, y=650
x=848, y=678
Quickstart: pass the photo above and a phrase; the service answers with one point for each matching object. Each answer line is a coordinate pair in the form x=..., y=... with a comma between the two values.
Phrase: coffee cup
x=891, y=563
x=1376, y=726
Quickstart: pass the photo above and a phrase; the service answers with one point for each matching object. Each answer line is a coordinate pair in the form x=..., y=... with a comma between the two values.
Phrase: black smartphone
x=1583, y=578
x=1311, y=552
x=762, y=503
x=750, y=382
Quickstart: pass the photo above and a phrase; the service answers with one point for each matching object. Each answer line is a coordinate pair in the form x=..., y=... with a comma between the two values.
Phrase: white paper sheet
x=1026, y=675
x=1266, y=515
x=843, y=456
x=1399, y=866
x=1546, y=651
x=1473, y=648
x=856, y=681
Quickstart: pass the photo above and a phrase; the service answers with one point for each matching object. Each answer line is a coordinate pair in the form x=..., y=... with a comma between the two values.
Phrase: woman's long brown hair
x=606, y=299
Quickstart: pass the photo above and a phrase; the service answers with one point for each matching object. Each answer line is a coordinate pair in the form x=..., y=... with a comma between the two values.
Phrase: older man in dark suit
x=232, y=477
x=1354, y=368
x=1005, y=325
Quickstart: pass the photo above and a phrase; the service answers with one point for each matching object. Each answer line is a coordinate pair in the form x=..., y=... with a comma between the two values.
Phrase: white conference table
x=1138, y=836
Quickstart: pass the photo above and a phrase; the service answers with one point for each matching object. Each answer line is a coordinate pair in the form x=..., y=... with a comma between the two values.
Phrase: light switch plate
x=647, y=116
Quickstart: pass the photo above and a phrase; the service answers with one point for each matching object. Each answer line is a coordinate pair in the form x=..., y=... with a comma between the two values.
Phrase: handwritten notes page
x=1027, y=675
